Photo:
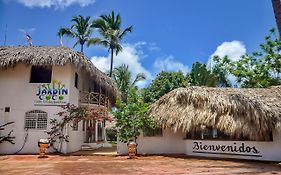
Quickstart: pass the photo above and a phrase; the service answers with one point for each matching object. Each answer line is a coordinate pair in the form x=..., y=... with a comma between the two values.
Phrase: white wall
x=76, y=138
x=169, y=143
x=174, y=143
x=267, y=150
x=17, y=93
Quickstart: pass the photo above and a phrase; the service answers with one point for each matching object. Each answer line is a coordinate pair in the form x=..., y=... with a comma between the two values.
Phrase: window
x=36, y=119
x=209, y=133
x=152, y=132
x=7, y=109
x=76, y=80
x=41, y=74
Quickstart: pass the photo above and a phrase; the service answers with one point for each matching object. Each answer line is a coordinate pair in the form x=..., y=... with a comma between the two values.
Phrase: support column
x=96, y=131
x=104, y=131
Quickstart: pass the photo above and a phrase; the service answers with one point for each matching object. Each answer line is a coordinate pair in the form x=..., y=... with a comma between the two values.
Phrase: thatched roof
x=52, y=55
x=253, y=113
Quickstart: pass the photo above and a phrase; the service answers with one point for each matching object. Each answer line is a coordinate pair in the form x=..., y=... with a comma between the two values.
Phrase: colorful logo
x=53, y=93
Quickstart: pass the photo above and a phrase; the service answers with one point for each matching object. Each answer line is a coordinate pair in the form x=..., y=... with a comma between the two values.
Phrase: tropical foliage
x=221, y=72
x=109, y=27
x=259, y=69
x=200, y=76
x=162, y=84
x=81, y=30
x=131, y=116
x=124, y=80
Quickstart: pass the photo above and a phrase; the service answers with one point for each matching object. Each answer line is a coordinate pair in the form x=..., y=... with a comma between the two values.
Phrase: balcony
x=94, y=98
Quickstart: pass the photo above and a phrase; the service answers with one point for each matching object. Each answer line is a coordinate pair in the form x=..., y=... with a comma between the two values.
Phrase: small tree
x=131, y=116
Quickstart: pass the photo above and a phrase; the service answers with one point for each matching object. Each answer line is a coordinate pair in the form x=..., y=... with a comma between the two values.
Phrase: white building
x=215, y=122
x=36, y=81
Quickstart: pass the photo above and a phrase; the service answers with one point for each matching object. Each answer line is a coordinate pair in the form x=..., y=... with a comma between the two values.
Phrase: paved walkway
x=111, y=151
x=86, y=165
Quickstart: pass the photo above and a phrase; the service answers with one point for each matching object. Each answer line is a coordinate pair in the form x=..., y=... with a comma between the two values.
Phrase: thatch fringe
x=253, y=113
x=51, y=55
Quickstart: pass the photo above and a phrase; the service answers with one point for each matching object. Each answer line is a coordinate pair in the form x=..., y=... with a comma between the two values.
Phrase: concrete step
x=86, y=148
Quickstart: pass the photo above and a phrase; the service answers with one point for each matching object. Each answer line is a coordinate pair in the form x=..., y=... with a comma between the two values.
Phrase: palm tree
x=124, y=80
x=276, y=4
x=81, y=30
x=109, y=26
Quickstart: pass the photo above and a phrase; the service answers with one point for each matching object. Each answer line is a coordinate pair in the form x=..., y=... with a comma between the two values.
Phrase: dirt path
x=84, y=165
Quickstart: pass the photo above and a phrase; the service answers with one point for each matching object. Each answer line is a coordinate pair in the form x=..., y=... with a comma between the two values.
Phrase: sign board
x=228, y=148
x=54, y=93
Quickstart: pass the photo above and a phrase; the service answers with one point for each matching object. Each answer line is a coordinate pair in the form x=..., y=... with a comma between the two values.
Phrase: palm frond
x=77, y=19
x=118, y=48
x=68, y=32
x=127, y=30
x=100, y=25
x=97, y=41
x=76, y=43
x=89, y=32
x=139, y=77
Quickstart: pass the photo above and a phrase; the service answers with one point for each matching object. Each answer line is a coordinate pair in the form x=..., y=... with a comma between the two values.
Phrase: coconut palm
x=81, y=30
x=109, y=26
x=124, y=80
x=276, y=4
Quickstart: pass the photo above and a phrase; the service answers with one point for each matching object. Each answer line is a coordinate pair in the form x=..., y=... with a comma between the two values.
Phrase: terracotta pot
x=132, y=149
x=43, y=145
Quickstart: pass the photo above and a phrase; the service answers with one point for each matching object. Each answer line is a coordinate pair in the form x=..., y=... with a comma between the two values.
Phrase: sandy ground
x=84, y=165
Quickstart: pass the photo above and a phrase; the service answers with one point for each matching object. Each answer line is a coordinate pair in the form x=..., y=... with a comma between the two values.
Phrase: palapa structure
x=55, y=56
x=252, y=113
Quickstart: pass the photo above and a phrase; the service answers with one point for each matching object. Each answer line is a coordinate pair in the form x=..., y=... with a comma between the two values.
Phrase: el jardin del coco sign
x=54, y=93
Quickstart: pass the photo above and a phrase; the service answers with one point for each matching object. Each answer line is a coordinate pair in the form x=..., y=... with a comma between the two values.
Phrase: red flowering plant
x=71, y=114
x=99, y=114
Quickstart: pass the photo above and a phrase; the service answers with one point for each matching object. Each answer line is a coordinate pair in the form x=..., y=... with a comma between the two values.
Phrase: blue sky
x=168, y=35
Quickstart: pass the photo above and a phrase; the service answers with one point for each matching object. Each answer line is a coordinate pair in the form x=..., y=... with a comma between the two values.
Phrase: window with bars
x=36, y=119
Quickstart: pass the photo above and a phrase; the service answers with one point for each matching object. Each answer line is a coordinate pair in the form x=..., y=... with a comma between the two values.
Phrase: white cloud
x=233, y=50
x=153, y=47
x=170, y=64
x=131, y=55
x=55, y=3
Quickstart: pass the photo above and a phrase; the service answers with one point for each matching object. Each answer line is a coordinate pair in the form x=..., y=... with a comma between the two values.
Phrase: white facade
x=17, y=94
x=175, y=143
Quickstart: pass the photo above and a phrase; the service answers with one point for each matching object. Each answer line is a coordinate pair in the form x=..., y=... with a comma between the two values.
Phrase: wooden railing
x=94, y=98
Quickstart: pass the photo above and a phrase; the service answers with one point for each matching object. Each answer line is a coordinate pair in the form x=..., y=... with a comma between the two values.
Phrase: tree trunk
x=276, y=4
x=82, y=45
x=111, y=63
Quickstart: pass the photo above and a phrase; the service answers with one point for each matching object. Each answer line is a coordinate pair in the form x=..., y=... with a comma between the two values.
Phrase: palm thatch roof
x=55, y=56
x=252, y=113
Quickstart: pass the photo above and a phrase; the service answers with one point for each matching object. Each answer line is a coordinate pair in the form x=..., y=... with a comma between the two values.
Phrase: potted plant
x=131, y=116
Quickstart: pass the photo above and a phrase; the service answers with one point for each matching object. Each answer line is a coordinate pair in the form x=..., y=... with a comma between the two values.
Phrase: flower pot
x=43, y=144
